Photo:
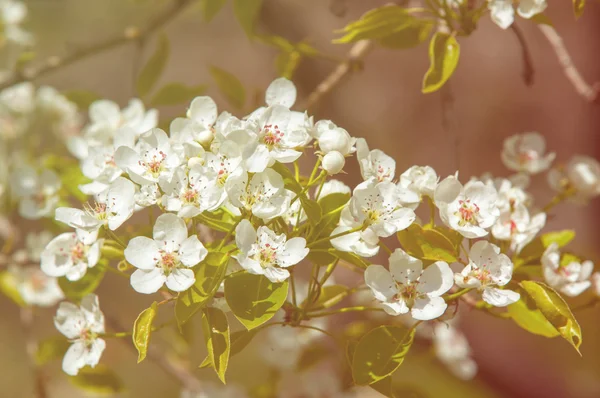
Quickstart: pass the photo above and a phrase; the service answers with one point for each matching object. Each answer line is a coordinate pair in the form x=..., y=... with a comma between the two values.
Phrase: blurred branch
x=31, y=346
x=587, y=91
x=528, y=71
x=352, y=62
x=131, y=34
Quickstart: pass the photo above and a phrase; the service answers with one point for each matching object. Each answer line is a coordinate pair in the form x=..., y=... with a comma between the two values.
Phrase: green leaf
x=71, y=178
x=98, y=380
x=210, y=8
x=154, y=67
x=142, y=329
x=176, y=93
x=556, y=311
x=578, y=6
x=329, y=296
x=312, y=209
x=379, y=353
x=209, y=276
x=428, y=244
x=287, y=62
x=229, y=85
x=536, y=247
x=216, y=336
x=531, y=320
x=444, y=52
x=378, y=24
x=383, y=386
x=8, y=287
x=409, y=36
x=254, y=299
x=351, y=258
x=51, y=349
x=239, y=341
x=82, y=98
x=561, y=238
x=76, y=290
x=246, y=12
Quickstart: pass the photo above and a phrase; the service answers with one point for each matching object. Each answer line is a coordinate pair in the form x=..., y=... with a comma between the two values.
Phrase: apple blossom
x=374, y=164
x=581, y=174
x=37, y=192
x=488, y=269
x=571, y=278
x=526, y=153
x=167, y=258
x=263, y=252
x=407, y=287
x=35, y=287
x=81, y=325
x=420, y=179
x=333, y=138
x=453, y=350
x=518, y=227
x=71, y=254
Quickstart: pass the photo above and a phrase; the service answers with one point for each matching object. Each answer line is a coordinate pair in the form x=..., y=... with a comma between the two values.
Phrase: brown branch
x=352, y=62
x=528, y=71
x=131, y=34
x=587, y=91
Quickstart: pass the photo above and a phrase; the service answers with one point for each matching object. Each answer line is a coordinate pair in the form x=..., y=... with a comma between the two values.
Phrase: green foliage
x=82, y=98
x=111, y=253
x=8, y=287
x=210, y=8
x=209, y=276
x=142, y=329
x=391, y=26
x=556, y=311
x=176, y=93
x=239, y=341
x=98, y=380
x=562, y=238
x=286, y=63
x=329, y=296
x=383, y=386
x=331, y=206
x=536, y=247
x=531, y=320
x=217, y=338
x=154, y=67
x=71, y=178
x=76, y=290
x=444, y=52
x=428, y=243
x=51, y=349
x=229, y=85
x=380, y=352
x=247, y=12
x=291, y=54
x=254, y=299
x=578, y=6
x=311, y=207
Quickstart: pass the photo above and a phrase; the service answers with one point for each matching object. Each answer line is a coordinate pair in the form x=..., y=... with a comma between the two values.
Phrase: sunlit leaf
x=427, y=243
x=444, y=52
x=383, y=386
x=229, y=85
x=210, y=8
x=578, y=6
x=380, y=352
x=561, y=238
x=154, y=67
x=8, y=287
x=247, y=11
x=556, y=311
x=98, y=380
x=51, y=349
x=216, y=336
x=378, y=24
x=410, y=36
x=329, y=296
x=531, y=320
x=254, y=299
x=176, y=93
x=142, y=329
x=239, y=341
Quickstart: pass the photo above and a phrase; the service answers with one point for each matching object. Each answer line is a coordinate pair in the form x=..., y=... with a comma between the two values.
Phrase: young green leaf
x=246, y=12
x=8, y=287
x=154, y=67
x=428, y=244
x=380, y=352
x=229, y=85
x=578, y=6
x=176, y=93
x=210, y=8
x=444, y=52
x=142, y=329
x=411, y=35
x=209, y=276
x=51, y=349
x=254, y=299
x=330, y=295
x=216, y=336
x=98, y=380
x=531, y=320
x=556, y=311
x=76, y=290
x=239, y=341
x=383, y=386
x=377, y=24
x=561, y=238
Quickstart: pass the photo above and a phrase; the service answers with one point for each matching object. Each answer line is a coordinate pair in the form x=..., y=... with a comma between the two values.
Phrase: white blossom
x=167, y=258
x=35, y=287
x=71, y=254
x=37, y=192
x=333, y=138
x=526, y=153
x=420, y=179
x=488, y=269
x=571, y=278
x=529, y=8
x=582, y=174
x=12, y=15
x=374, y=164
x=502, y=12
x=453, y=350
x=407, y=287
x=333, y=162
x=263, y=252
x=81, y=325
x=334, y=186
x=518, y=227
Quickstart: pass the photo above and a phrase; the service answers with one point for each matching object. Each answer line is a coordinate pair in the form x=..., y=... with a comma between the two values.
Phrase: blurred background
x=383, y=103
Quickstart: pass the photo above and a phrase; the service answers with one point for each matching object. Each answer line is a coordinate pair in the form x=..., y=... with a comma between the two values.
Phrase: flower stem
x=328, y=238
x=343, y=310
x=454, y=296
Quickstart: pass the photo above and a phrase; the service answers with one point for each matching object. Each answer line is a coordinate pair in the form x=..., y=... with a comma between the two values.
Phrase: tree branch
x=587, y=91
x=355, y=56
x=528, y=71
x=131, y=34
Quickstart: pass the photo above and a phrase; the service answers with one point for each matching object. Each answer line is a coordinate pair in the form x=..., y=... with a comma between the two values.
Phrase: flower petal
x=147, y=282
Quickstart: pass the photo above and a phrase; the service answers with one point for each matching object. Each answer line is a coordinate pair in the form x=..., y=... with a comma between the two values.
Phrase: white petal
x=499, y=298
x=142, y=253
x=192, y=251
x=245, y=236
x=94, y=352
x=395, y=308
x=294, y=251
x=74, y=358
x=170, y=228
x=428, y=308
x=276, y=275
x=436, y=280
x=180, y=279
x=404, y=268
x=69, y=320
x=281, y=92
x=203, y=110
x=147, y=282
x=575, y=289
x=381, y=283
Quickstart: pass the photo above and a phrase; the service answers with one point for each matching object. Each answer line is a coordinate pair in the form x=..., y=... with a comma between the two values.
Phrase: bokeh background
x=382, y=103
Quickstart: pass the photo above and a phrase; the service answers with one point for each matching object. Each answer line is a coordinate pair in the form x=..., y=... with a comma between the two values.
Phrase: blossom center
x=153, y=162
x=467, y=212
x=272, y=136
x=168, y=261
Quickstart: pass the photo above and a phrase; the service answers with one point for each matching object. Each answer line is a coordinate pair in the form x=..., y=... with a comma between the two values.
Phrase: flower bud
x=333, y=162
x=336, y=139
x=195, y=161
x=205, y=137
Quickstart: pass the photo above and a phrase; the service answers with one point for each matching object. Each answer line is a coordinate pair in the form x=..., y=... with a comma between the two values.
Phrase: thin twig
x=132, y=34
x=587, y=91
x=528, y=71
x=355, y=56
